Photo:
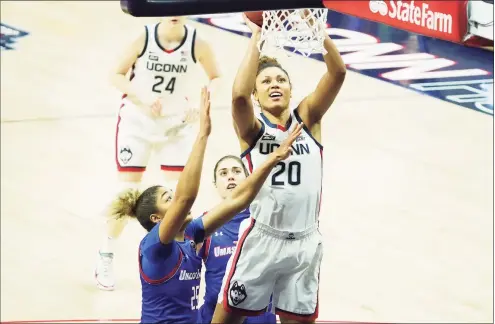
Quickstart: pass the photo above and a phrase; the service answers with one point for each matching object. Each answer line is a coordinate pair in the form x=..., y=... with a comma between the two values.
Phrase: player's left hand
x=255, y=29
x=309, y=19
x=191, y=116
x=156, y=108
x=285, y=148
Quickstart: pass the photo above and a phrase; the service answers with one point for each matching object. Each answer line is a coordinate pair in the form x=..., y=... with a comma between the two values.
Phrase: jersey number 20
x=169, y=87
x=287, y=172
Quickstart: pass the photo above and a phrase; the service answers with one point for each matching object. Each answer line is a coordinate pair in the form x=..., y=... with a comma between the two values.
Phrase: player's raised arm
x=245, y=122
x=315, y=105
x=206, y=58
x=124, y=64
x=188, y=185
x=245, y=193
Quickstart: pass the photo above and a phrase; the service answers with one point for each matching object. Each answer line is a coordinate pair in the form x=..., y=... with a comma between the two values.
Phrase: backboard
x=164, y=8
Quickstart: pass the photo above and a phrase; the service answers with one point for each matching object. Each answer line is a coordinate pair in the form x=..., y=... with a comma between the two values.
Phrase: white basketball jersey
x=290, y=197
x=166, y=74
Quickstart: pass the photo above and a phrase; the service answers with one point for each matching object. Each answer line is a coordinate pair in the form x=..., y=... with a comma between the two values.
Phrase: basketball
x=256, y=17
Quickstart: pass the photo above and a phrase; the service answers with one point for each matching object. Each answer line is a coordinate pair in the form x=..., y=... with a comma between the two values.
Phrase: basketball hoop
x=299, y=30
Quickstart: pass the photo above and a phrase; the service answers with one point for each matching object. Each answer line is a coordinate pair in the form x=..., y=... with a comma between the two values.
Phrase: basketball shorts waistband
x=286, y=235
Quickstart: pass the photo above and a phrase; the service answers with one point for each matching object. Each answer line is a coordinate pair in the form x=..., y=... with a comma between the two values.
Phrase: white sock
x=107, y=246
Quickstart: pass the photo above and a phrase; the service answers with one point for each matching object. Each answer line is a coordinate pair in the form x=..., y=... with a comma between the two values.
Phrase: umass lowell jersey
x=170, y=276
x=167, y=74
x=290, y=197
x=216, y=252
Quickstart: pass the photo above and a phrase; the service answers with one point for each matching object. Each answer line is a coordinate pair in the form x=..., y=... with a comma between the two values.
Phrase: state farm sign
x=409, y=12
x=446, y=19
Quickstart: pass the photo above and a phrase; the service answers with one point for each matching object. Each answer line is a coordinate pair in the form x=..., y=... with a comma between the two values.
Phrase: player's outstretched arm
x=245, y=193
x=188, y=185
x=315, y=105
x=245, y=123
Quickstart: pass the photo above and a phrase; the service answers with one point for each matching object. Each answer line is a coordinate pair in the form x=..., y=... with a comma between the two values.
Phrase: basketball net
x=300, y=30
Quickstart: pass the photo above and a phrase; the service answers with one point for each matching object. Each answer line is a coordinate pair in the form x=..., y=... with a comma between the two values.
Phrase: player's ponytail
x=124, y=204
x=266, y=62
x=135, y=204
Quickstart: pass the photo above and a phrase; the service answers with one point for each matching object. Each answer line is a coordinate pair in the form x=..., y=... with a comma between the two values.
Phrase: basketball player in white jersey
x=155, y=74
x=280, y=248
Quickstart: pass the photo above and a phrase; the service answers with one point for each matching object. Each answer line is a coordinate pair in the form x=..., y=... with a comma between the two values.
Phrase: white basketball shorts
x=269, y=262
x=137, y=136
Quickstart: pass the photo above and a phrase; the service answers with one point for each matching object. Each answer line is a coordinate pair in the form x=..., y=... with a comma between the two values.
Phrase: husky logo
x=125, y=155
x=9, y=35
x=291, y=236
x=237, y=293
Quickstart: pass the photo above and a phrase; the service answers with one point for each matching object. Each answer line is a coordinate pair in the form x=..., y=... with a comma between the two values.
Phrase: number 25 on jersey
x=159, y=81
x=195, y=298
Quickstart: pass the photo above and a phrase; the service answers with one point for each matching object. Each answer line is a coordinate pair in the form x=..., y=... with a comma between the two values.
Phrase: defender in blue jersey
x=168, y=262
x=228, y=173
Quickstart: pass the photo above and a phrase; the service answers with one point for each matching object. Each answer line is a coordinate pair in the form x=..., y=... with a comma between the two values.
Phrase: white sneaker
x=104, y=277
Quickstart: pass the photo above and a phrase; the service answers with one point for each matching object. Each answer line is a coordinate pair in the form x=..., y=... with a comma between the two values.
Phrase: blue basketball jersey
x=216, y=252
x=170, y=276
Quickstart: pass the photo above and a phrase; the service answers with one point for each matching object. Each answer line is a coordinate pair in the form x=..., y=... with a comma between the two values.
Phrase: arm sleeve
x=205, y=249
x=195, y=231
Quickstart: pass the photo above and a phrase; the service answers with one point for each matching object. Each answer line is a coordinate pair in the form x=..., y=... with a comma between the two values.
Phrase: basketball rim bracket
x=167, y=8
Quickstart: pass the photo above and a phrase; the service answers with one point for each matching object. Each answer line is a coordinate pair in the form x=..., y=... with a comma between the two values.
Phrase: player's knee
x=172, y=175
x=115, y=226
x=218, y=315
x=130, y=178
x=221, y=316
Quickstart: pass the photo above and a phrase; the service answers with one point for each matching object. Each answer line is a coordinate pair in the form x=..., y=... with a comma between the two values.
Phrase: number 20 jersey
x=166, y=74
x=290, y=197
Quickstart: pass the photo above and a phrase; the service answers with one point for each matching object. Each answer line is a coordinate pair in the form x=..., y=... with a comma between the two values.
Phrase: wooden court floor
x=407, y=213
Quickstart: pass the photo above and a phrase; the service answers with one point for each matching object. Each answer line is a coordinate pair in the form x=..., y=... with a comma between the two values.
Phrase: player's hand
x=204, y=113
x=156, y=108
x=255, y=29
x=310, y=20
x=191, y=116
x=285, y=149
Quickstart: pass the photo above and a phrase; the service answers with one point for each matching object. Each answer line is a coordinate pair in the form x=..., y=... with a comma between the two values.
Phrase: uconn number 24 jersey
x=166, y=74
x=290, y=197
